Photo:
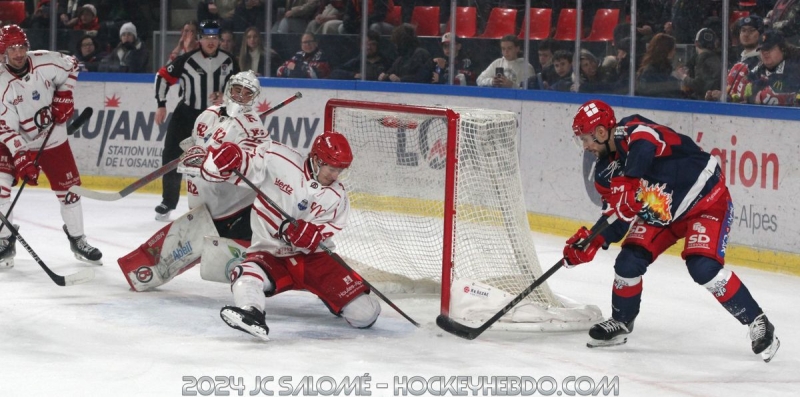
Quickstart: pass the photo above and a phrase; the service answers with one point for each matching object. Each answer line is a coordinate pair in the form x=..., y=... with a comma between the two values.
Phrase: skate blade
x=163, y=217
x=619, y=340
x=767, y=354
x=87, y=260
x=234, y=320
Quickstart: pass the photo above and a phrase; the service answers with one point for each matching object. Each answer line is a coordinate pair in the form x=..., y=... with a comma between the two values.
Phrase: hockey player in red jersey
x=36, y=94
x=667, y=188
x=285, y=256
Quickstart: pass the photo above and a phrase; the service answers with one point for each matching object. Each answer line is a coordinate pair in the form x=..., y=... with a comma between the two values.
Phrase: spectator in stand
x=749, y=30
x=70, y=11
x=413, y=63
x=37, y=26
x=464, y=68
x=594, y=77
x=785, y=18
x=227, y=41
x=253, y=55
x=545, y=52
x=333, y=11
x=654, y=78
x=652, y=16
x=130, y=56
x=706, y=72
x=220, y=10
x=562, y=62
x=88, y=54
x=308, y=63
x=87, y=20
x=776, y=80
x=351, y=20
x=377, y=62
x=508, y=71
x=297, y=16
x=249, y=13
x=188, y=41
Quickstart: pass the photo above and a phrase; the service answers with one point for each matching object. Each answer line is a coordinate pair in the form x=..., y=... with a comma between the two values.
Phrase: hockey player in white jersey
x=285, y=256
x=36, y=99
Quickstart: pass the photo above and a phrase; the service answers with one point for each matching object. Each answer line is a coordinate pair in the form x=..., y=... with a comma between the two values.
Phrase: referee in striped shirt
x=201, y=75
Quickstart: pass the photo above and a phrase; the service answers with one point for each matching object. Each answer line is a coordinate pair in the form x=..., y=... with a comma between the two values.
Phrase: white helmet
x=247, y=80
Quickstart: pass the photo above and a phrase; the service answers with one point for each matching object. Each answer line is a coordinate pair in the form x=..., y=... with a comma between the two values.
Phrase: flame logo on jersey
x=657, y=203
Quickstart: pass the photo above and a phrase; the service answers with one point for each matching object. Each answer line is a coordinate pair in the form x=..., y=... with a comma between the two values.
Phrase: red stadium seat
x=566, y=26
x=466, y=22
x=502, y=21
x=394, y=16
x=12, y=11
x=605, y=20
x=540, y=24
x=427, y=20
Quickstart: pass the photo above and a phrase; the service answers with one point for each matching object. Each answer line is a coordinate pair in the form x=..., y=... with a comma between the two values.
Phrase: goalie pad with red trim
x=171, y=251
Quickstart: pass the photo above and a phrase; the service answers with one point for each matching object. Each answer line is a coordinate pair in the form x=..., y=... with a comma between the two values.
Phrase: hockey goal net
x=437, y=206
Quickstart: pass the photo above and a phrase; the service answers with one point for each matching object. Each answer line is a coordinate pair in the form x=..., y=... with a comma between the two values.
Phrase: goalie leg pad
x=362, y=311
x=171, y=251
x=220, y=256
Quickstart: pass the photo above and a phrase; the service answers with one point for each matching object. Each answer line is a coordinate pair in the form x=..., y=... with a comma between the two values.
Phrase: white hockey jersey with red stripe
x=25, y=114
x=213, y=127
x=284, y=175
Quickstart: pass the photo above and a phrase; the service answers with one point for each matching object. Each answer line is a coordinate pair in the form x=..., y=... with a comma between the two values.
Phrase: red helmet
x=12, y=35
x=590, y=115
x=332, y=148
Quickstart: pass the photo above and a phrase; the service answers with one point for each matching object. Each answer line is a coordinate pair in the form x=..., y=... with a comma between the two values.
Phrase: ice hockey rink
x=102, y=339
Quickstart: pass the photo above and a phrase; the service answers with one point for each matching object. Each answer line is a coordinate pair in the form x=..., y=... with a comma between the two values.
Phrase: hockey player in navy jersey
x=663, y=187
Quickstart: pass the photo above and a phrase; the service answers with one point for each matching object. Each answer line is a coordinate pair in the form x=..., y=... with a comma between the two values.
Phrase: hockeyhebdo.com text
x=365, y=385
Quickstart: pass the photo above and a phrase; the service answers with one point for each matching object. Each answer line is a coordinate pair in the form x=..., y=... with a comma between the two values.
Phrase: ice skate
x=162, y=213
x=8, y=250
x=82, y=250
x=762, y=333
x=609, y=333
x=250, y=320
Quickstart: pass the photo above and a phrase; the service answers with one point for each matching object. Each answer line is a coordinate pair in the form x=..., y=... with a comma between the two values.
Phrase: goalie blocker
x=171, y=251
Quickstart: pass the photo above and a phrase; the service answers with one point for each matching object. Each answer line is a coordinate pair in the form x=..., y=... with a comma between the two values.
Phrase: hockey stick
x=327, y=250
x=71, y=279
x=85, y=115
x=463, y=331
x=158, y=173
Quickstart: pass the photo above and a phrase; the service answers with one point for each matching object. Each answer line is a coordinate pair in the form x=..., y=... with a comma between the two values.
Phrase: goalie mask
x=242, y=92
x=590, y=115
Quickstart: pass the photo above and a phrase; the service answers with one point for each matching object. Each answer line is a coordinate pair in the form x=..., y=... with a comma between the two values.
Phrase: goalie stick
x=159, y=172
x=448, y=324
x=327, y=250
x=85, y=115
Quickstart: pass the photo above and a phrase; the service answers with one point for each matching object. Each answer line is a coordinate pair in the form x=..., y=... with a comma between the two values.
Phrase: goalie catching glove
x=25, y=167
x=622, y=200
x=63, y=106
x=574, y=255
x=220, y=162
x=302, y=234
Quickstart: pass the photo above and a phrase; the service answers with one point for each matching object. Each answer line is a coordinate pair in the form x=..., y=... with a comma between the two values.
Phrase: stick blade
x=457, y=329
x=82, y=118
x=80, y=277
x=102, y=196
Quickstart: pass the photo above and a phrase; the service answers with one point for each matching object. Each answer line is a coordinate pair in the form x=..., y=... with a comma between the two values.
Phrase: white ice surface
x=101, y=339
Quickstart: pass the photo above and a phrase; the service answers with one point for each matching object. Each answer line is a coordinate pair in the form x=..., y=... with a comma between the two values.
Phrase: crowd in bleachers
x=678, y=43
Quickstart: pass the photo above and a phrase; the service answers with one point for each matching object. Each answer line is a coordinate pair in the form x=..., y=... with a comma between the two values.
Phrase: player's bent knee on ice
x=362, y=311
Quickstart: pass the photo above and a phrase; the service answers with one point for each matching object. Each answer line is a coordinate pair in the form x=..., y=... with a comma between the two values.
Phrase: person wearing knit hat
x=130, y=56
x=706, y=73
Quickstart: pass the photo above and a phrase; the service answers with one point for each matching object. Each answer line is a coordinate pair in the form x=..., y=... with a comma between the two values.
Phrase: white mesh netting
x=396, y=234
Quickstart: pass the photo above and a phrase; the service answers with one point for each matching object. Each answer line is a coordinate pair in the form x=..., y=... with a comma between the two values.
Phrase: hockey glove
x=303, y=235
x=575, y=256
x=622, y=199
x=220, y=162
x=63, y=107
x=25, y=168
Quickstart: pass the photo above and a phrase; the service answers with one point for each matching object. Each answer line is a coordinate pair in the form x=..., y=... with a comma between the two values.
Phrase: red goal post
x=437, y=205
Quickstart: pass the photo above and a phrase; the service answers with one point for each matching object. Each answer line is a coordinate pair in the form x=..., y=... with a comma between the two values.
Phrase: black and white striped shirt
x=199, y=76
